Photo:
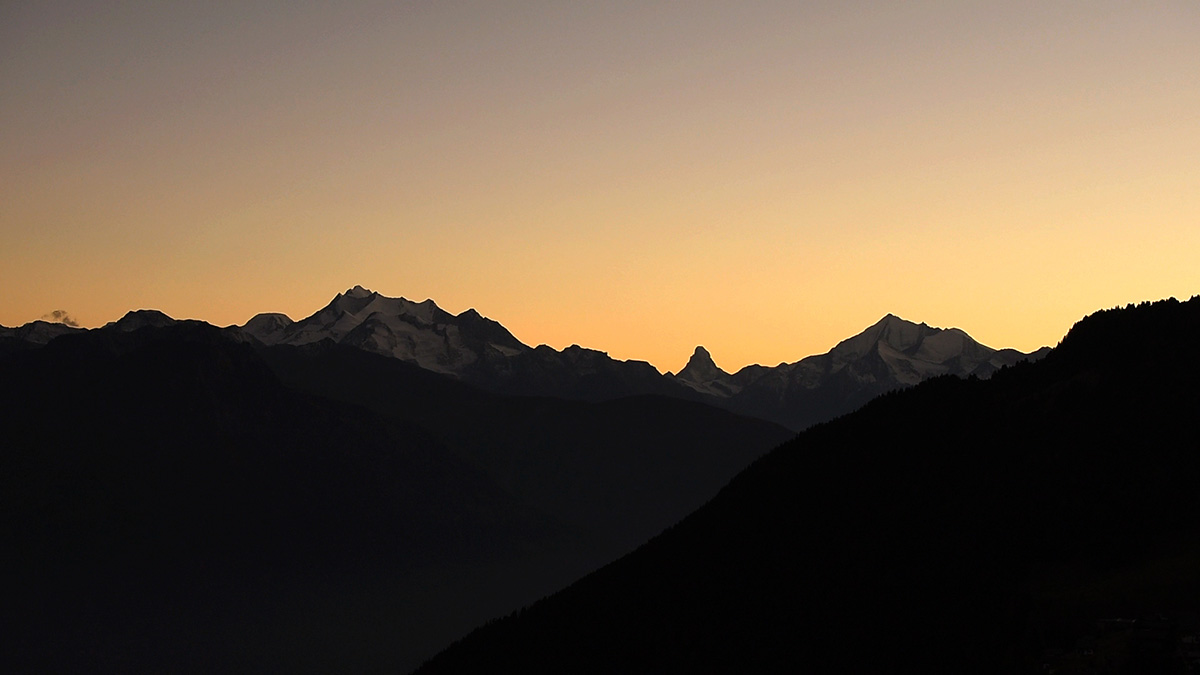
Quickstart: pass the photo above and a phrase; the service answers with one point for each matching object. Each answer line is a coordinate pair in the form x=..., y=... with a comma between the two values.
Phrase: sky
x=764, y=178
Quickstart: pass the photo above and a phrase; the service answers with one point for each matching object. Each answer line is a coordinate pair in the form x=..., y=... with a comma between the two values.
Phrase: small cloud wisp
x=61, y=316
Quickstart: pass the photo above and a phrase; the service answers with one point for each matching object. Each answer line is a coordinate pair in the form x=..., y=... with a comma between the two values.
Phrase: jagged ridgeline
x=1044, y=519
x=891, y=354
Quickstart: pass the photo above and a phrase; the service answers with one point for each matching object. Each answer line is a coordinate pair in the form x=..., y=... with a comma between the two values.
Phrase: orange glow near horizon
x=639, y=178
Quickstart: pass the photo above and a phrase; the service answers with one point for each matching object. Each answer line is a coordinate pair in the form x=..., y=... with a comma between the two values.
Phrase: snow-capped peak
x=703, y=375
x=891, y=330
x=268, y=327
x=418, y=332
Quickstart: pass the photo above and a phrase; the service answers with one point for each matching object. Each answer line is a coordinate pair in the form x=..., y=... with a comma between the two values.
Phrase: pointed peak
x=701, y=367
x=891, y=329
x=700, y=357
x=358, y=292
x=890, y=319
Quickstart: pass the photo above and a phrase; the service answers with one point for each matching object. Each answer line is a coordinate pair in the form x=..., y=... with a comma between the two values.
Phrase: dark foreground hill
x=1045, y=519
x=175, y=497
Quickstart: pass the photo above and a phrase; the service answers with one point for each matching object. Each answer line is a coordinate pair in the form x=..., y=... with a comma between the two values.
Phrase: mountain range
x=891, y=354
x=358, y=488
x=888, y=355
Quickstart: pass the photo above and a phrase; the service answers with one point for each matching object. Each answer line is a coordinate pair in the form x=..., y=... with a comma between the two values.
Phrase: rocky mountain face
x=417, y=332
x=468, y=347
x=891, y=354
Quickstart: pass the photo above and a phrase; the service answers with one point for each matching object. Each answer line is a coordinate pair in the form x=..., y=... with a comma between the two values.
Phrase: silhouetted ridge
x=1132, y=335
x=141, y=318
x=32, y=335
x=889, y=354
x=961, y=525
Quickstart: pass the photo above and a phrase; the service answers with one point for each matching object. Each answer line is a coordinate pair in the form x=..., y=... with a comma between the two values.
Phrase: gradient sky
x=764, y=178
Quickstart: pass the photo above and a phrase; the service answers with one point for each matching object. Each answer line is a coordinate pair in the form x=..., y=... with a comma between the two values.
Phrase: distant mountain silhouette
x=141, y=318
x=889, y=355
x=1044, y=519
x=177, y=497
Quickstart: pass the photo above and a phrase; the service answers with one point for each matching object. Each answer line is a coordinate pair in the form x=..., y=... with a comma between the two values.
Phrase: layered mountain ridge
x=892, y=353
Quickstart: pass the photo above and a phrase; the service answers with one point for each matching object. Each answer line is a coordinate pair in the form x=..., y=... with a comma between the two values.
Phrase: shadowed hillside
x=960, y=526
x=157, y=484
x=177, y=497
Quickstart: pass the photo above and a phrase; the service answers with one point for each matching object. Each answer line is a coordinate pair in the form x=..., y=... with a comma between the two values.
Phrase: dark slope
x=164, y=500
x=179, y=497
x=573, y=373
x=619, y=470
x=959, y=526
